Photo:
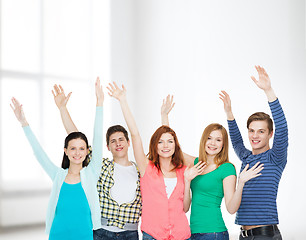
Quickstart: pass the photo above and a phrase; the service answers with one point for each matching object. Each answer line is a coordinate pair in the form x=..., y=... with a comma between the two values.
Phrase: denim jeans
x=277, y=236
x=210, y=236
x=146, y=236
x=102, y=234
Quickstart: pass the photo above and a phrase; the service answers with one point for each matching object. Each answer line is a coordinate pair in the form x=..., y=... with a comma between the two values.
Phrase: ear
x=129, y=143
x=107, y=147
x=65, y=151
x=270, y=134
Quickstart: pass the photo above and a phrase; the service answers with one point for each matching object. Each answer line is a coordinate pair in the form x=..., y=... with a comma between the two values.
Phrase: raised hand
x=191, y=172
x=253, y=172
x=227, y=104
x=263, y=81
x=116, y=92
x=99, y=92
x=167, y=105
x=18, y=111
x=59, y=96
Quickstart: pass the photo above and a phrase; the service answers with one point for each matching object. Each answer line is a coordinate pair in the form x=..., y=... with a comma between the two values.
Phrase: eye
x=209, y=138
x=160, y=142
x=82, y=148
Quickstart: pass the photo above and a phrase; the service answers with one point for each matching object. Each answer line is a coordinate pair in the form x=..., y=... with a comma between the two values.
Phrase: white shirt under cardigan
x=89, y=175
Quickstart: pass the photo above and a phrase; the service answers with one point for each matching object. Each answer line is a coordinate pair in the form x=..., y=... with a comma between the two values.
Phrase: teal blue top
x=73, y=208
x=89, y=175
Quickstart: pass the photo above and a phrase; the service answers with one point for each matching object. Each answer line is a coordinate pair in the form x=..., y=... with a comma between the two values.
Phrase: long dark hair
x=71, y=136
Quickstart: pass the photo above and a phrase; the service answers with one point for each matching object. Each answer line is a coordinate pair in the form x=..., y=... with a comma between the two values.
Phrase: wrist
x=24, y=123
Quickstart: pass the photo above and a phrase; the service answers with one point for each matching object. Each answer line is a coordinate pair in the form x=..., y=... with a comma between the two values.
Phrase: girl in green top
x=217, y=180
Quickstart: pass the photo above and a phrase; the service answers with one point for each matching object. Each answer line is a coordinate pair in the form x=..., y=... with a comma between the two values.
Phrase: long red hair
x=177, y=157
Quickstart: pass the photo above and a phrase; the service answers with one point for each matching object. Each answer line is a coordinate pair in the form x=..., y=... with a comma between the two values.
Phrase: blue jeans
x=210, y=236
x=102, y=234
x=146, y=236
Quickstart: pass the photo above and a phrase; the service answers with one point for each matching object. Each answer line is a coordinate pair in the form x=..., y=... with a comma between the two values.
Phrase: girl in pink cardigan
x=162, y=178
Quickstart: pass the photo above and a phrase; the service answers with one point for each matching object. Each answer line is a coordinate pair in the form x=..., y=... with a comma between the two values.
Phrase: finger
x=68, y=96
x=56, y=89
x=123, y=88
x=109, y=89
x=12, y=107
x=61, y=88
x=111, y=86
x=255, y=165
x=53, y=93
x=254, y=79
x=115, y=84
x=245, y=168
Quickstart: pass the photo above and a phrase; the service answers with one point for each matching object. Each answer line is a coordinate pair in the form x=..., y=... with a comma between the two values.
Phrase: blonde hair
x=222, y=156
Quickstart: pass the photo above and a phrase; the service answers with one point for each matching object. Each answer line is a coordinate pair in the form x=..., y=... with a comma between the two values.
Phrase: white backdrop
x=194, y=49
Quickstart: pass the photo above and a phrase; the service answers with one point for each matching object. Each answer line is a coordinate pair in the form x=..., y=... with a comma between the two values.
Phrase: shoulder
x=227, y=167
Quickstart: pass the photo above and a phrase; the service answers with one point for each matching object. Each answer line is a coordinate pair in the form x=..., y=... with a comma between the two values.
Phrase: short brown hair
x=222, y=156
x=177, y=157
x=261, y=116
x=114, y=129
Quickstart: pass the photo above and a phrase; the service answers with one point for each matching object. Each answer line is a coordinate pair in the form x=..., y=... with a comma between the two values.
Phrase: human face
x=166, y=145
x=214, y=143
x=259, y=136
x=118, y=145
x=76, y=151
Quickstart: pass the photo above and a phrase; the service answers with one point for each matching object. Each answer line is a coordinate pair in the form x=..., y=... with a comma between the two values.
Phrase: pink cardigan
x=163, y=218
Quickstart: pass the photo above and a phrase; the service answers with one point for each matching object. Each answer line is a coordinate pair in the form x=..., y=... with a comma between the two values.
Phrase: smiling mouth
x=212, y=148
x=119, y=149
x=165, y=151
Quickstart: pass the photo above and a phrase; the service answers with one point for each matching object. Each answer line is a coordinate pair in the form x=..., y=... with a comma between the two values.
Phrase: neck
x=165, y=163
x=74, y=169
x=210, y=159
x=124, y=161
x=261, y=150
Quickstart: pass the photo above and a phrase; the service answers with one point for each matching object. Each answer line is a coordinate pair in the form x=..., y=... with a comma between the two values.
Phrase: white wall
x=193, y=49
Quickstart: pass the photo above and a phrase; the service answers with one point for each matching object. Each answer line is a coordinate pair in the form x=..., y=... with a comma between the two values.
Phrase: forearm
x=270, y=95
x=233, y=205
x=39, y=153
x=165, y=119
x=97, y=141
x=187, y=196
x=230, y=115
x=67, y=120
x=128, y=116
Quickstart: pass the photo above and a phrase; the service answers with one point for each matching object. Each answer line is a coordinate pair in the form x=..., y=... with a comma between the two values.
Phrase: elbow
x=232, y=211
x=186, y=209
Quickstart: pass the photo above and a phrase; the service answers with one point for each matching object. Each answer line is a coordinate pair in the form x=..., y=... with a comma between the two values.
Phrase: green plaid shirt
x=117, y=215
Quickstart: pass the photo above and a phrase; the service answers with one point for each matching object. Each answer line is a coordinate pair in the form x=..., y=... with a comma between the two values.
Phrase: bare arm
x=61, y=101
x=140, y=157
x=233, y=196
x=189, y=174
x=166, y=108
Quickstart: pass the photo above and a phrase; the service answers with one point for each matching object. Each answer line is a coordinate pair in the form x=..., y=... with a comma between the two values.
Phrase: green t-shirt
x=207, y=194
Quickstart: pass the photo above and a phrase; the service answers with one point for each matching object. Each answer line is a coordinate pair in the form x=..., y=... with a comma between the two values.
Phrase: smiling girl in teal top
x=74, y=209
